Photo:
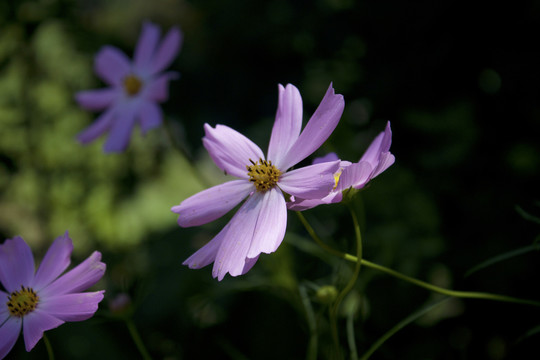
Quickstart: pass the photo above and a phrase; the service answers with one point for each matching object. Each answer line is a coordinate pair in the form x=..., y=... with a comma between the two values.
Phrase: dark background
x=459, y=83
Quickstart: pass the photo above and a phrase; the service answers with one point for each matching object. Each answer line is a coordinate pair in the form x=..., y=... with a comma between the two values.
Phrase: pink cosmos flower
x=259, y=225
x=40, y=301
x=135, y=88
x=375, y=160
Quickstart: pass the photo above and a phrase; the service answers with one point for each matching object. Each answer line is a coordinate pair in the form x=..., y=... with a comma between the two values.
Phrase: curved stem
x=428, y=286
x=48, y=345
x=137, y=339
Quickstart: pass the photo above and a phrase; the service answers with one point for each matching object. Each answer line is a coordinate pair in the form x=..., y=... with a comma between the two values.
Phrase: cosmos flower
x=44, y=300
x=375, y=160
x=135, y=88
x=259, y=225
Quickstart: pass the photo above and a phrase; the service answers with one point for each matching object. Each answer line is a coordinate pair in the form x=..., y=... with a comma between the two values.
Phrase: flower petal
x=56, y=260
x=380, y=144
x=212, y=203
x=306, y=204
x=250, y=262
x=317, y=130
x=356, y=175
x=237, y=238
x=112, y=65
x=150, y=116
x=326, y=158
x=207, y=254
x=79, y=278
x=168, y=49
x=101, y=125
x=16, y=264
x=158, y=89
x=146, y=46
x=72, y=307
x=121, y=129
x=310, y=182
x=288, y=123
x=98, y=99
x=271, y=224
x=230, y=150
x=9, y=332
x=385, y=161
x=35, y=323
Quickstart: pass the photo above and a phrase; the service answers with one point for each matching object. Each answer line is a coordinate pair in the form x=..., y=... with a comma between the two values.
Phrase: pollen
x=263, y=174
x=23, y=301
x=132, y=85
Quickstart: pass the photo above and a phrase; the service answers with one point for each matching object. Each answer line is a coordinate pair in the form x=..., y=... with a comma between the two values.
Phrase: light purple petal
x=230, y=150
x=79, y=278
x=150, y=116
x=288, y=123
x=9, y=332
x=250, y=262
x=56, y=260
x=16, y=264
x=98, y=99
x=34, y=324
x=326, y=158
x=318, y=129
x=310, y=182
x=380, y=144
x=168, y=49
x=158, y=89
x=72, y=307
x=355, y=175
x=121, y=129
x=207, y=254
x=146, y=46
x=112, y=65
x=271, y=224
x=306, y=204
x=212, y=203
x=101, y=125
x=236, y=241
x=4, y=311
x=385, y=161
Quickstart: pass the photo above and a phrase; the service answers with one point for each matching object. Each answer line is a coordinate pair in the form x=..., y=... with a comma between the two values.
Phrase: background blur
x=459, y=84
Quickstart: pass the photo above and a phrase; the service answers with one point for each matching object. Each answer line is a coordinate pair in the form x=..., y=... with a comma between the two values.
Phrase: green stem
x=437, y=289
x=137, y=339
x=48, y=346
x=312, y=324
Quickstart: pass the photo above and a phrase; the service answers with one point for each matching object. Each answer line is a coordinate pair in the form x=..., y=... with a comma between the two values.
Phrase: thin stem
x=312, y=324
x=137, y=339
x=437, y=289
x=350, y=336
x=48, y=345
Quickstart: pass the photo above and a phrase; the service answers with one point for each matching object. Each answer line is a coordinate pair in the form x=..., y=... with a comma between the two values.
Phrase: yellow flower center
x=263, y=174
x=337, y=175
x=22, y=302
x=132, y=85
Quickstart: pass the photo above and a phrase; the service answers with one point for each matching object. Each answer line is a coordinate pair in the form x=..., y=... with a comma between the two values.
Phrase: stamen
x=132, y=85
x=23, y=301
x=263, y=174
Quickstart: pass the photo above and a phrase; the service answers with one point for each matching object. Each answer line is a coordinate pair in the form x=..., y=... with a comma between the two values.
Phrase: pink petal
x=97, y=99
x=9, y=332
x=121, y=129
x=318, y=129
x=16, y=264
x=326, y=158
x=380, y=144
x=112, y=65
x=72, y=307
x=212, y=203
x=306, y=204
x=250, y=262
x=150, y=116
x=288, y=123
x=236, y=241
x=35, y=323
x=356, y=175
x=385, y=161
x=146, y=46
x=98, y=127
x=56, y=260
x=168, y=49
x=230, y=150
x=77, y=279
x=310, y=182
x=207, y=254
x=158, y=89
x=271, y=224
